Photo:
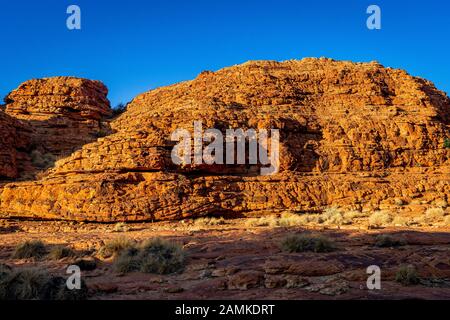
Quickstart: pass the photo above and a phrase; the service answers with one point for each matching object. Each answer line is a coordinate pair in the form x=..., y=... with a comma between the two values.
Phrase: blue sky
x=137, y=45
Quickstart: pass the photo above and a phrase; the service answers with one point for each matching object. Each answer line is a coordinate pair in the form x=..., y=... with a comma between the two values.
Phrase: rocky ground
x=243, y=259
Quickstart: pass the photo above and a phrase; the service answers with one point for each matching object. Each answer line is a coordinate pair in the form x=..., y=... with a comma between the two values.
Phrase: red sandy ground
x=234, y=261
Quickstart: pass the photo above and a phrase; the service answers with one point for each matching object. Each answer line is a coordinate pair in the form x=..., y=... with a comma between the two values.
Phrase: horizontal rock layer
x=352, y=134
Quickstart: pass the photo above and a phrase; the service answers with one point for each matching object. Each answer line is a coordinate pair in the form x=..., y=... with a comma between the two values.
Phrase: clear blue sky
x=136, y=45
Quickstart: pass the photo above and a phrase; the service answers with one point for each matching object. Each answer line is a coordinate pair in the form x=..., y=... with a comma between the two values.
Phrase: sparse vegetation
x=401, y=221
x=386, y=241
x=30, y=249
x=407, y=275
x=152, y=256
x=447, y=220
x=115, y=246
x=119, y=109
x=332, y=216
x=209, y=221
x=61, y=252
x=42, y=160
x=302, y=243
x=380, y=219
x=434, y=215
x=270, y=221
x=36, y=284
x=447, y=143
x=121, y=227
x=86, y=264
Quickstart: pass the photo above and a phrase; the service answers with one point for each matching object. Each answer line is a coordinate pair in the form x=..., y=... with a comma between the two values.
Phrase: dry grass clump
x=209, y=221
x=30, y=249
x=386, y=241
x=36, y=284
x=332, y=216
x=115, y=246
x=447, y=221
x=121, y=227
x=380, y=219
x=61, y=252
x=153, y=256
x=401, y=221
x=434, y=215
x=302, y=243
x=270, y=221
x=407, y=275
x=288, y=219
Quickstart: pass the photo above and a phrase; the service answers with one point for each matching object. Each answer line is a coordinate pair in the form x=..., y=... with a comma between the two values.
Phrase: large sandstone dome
x=355, y=135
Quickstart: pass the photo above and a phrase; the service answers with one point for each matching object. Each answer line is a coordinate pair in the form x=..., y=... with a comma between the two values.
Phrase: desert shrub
x=447, y=143
x=209, y=221
x=4, y=270
x=434, y=215
x=42, y=160
x=332, y=216
x=30, y=249
x=441, y=203
x=127, y=260
x=36, y=284
x=61, y=252
x=162, y=257
x=385, y=241
x=86, y=264
x=447, y=220
x=271, y=221
x=153, y=256
x=119, y=109
x=121, y=227
x=115, y=246
x=302, y=243
x=407, y=275
x=380, y=219
x=400, y=221
x=288, y=219
x=349, y=216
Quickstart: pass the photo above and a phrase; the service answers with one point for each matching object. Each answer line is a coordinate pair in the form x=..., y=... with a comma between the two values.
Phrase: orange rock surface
x=355, y=135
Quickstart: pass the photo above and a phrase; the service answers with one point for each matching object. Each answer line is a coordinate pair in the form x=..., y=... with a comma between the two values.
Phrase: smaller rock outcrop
x=64, y=112
x=52, y=118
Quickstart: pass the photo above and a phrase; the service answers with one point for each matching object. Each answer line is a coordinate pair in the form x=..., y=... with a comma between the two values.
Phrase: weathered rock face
x=354, y=135
x=56, y=117
x=64, y=112
x=8, y=146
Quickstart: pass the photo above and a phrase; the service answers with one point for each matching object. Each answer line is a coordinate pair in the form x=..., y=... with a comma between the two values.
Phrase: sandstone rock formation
x=355, y=135
x=52, y=118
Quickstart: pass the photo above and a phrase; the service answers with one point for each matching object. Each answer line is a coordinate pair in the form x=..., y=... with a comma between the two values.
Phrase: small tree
x=447, y=143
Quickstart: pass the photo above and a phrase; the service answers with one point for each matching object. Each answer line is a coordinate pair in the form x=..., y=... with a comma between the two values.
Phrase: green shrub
x=153, y=256
x=30, y=249
x=407, y=275
x=447, y=143
x=115, y=246
x=302, y=243
x=385, y=241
